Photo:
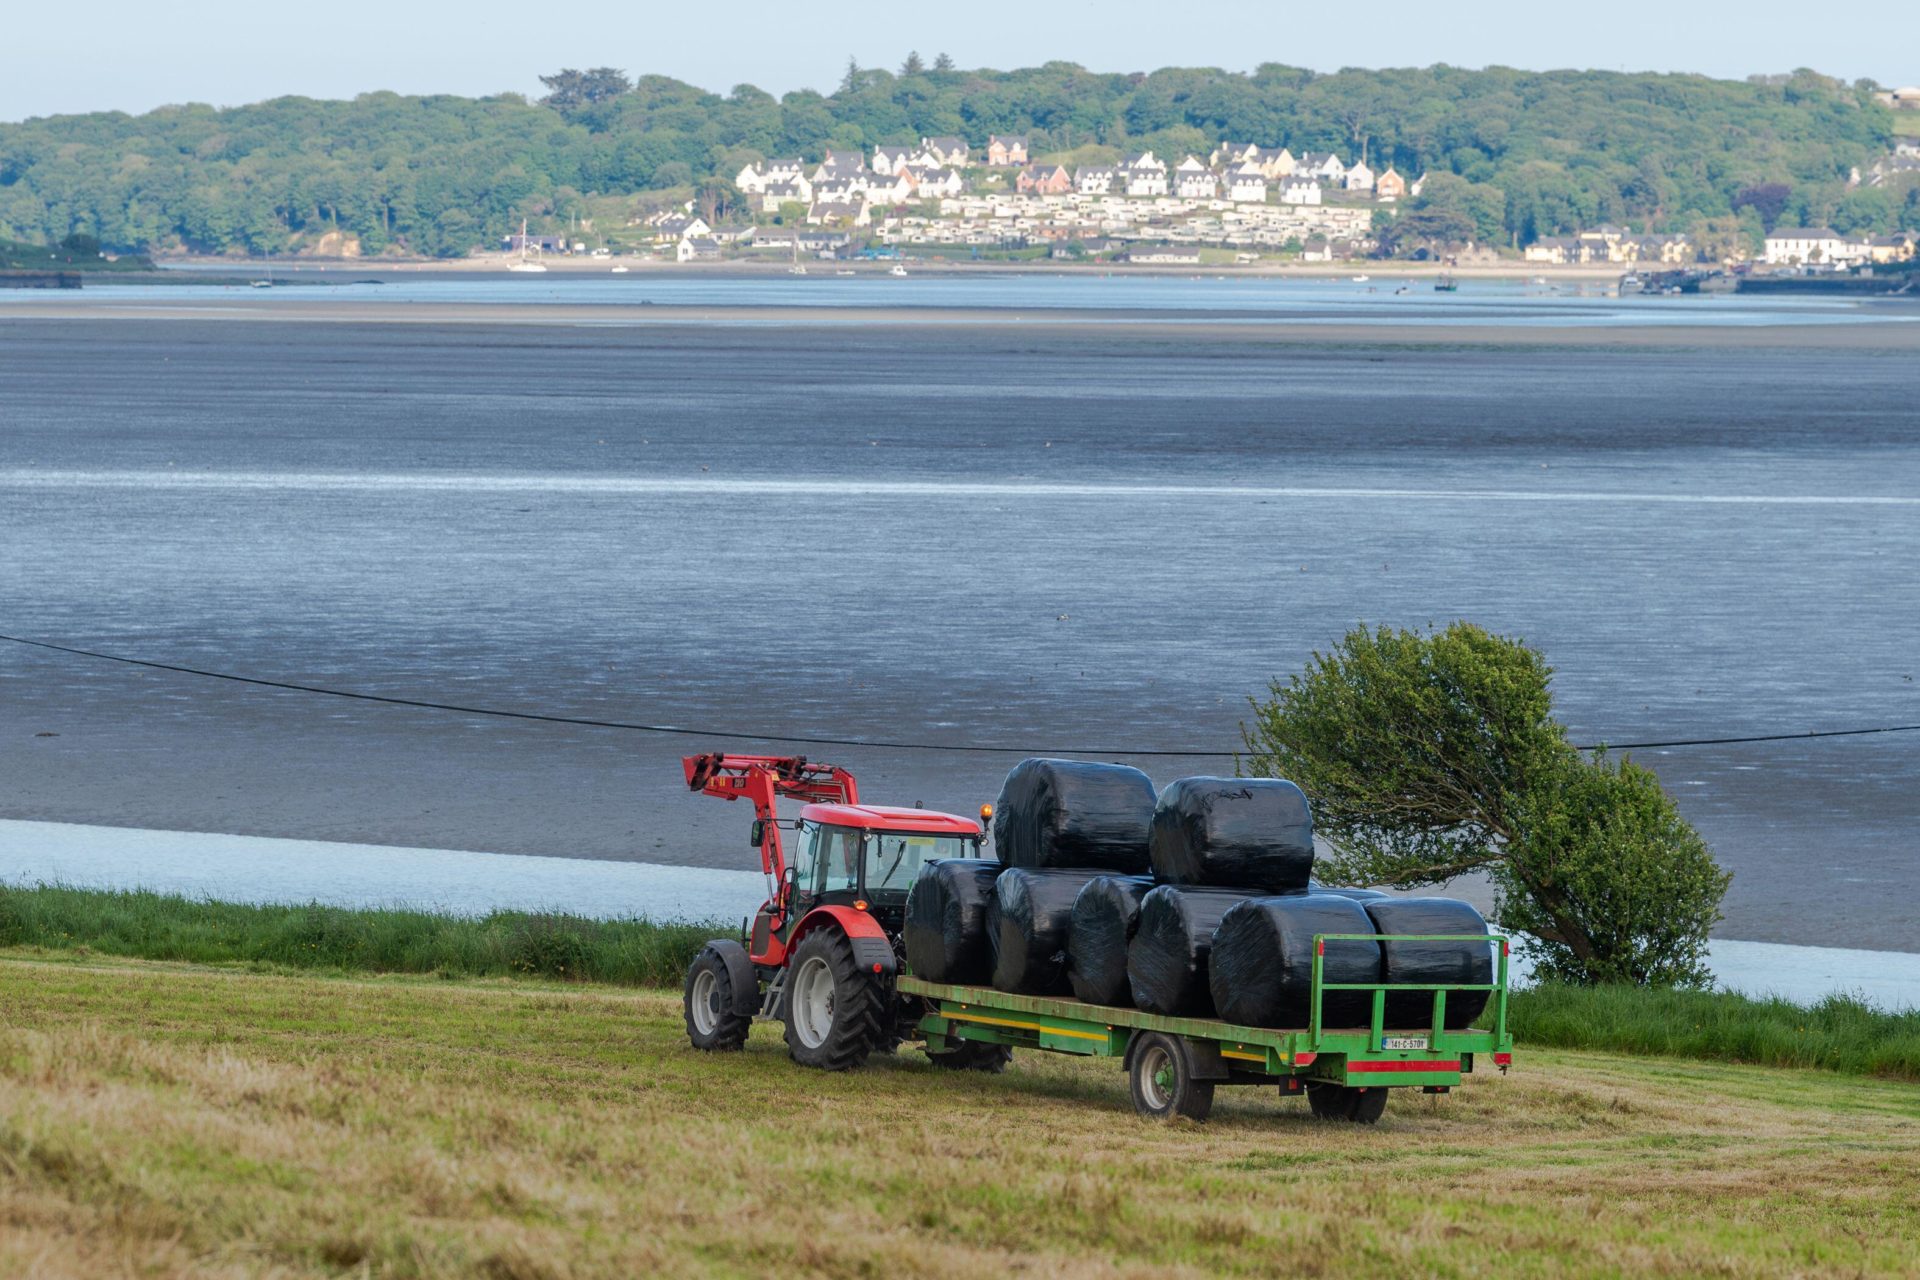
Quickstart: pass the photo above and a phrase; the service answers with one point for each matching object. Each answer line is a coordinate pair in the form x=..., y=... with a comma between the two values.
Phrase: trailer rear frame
x=1192, y=1055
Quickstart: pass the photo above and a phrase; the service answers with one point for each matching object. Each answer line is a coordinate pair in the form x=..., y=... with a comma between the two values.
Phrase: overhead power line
x=811, y=740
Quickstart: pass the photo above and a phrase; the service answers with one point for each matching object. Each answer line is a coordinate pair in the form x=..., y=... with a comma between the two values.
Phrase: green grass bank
x=1838, y=1034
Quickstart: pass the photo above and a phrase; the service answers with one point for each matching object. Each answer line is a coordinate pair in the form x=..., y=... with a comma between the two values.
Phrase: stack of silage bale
x=1222, y=926
x=1058, y=825
x=1216, y=843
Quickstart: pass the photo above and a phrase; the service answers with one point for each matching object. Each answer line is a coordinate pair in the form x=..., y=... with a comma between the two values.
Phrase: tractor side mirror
x=759, y=837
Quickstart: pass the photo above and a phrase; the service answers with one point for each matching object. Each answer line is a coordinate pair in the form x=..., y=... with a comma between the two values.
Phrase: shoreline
x=1896, y=330
x=495, y=264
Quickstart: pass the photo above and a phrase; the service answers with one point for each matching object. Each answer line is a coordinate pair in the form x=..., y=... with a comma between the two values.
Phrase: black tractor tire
x=971, y=1055
x=1341, y=1102
x=713, y=1024
x=1160, y=1077
x=834, y=1009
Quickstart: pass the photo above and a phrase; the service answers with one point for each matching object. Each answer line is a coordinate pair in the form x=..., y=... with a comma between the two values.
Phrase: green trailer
x=1174, y=1064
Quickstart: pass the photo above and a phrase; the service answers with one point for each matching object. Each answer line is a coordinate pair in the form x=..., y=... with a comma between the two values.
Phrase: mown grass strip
x=1838, y=1034
x=156, y=926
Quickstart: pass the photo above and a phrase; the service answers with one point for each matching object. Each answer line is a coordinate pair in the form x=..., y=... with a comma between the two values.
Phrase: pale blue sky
x=115, y=54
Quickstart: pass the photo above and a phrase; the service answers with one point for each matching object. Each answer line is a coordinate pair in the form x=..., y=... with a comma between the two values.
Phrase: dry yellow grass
x=162, y=1121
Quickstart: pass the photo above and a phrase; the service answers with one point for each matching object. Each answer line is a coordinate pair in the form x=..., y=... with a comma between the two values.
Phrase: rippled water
x=1038, y=539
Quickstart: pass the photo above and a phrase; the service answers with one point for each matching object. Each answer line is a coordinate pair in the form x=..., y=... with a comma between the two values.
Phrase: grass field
x=166, y=1120
x=1839, y=1034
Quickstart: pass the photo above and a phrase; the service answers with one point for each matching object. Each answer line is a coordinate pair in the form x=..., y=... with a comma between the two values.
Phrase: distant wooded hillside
x=1538, y=153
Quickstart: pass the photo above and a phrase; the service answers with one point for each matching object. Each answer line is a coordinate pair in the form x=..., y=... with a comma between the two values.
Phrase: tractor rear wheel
x=833, y=1008
x=712, y=1021
x=971, y=1055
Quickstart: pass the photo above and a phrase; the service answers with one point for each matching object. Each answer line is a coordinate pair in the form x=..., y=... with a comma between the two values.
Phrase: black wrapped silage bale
x=1356, y=895
x=1104, y=915
x=1243, y=833
x=946, y=929
x=1070, y=813
x=1434, y=962
x=1167, y=959
x=1261, y=970
x=1027, y=927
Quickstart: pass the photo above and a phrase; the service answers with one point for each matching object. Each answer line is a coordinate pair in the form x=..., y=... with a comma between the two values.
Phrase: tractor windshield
x=894, y=857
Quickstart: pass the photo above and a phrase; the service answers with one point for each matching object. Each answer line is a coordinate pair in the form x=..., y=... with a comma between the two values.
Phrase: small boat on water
x=1362, y=279
x=526, y=264
x=896, y=270
x=619, y=271
x=1446, y=283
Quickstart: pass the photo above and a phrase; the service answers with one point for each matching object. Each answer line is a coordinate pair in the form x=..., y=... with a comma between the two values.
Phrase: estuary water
x=1094, y=537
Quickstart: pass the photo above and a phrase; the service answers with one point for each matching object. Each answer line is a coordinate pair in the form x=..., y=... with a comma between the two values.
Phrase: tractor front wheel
x=833, y=1008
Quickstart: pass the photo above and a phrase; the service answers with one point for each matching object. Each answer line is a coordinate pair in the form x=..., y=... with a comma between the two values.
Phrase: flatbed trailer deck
x=1174, y=1063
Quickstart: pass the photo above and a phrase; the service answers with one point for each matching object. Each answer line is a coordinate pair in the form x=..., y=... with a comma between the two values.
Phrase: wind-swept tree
x=1430, y=755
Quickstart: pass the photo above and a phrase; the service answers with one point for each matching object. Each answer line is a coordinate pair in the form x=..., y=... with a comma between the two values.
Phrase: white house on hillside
x=1808, y=246
x=890, y=159
x=1322, y=164
x=1247, y=185
x=1192, y=180
x=1359, y=177
x=1300, y=189
x=1093, y=180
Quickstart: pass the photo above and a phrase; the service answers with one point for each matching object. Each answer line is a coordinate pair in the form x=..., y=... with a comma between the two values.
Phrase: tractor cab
x=868, y=856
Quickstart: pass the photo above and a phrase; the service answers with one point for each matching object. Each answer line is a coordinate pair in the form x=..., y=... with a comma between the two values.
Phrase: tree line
x=1516, y=154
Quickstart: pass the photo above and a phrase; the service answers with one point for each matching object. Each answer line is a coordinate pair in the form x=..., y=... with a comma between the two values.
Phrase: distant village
x=1240, y=203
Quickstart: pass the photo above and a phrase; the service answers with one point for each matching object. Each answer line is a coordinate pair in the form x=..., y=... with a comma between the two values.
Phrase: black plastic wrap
x=1241, y=833
x=1027, y=927
x=1261, y=970
x=946, y=929
x=1357, y=895
x=1436, y=962
x=1069, y=813
x=1167, y=959
x=1104, y=916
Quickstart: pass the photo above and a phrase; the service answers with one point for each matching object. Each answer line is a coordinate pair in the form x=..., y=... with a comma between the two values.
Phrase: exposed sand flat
x=1896, y=329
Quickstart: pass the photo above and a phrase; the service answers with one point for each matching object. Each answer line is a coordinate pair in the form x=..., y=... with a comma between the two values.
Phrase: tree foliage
x=1429, y=755
x=1519, y=154
x=569, y=91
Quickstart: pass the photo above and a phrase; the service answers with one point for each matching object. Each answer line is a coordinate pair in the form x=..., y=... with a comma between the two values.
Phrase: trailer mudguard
x=740, y=975
x=872, y=949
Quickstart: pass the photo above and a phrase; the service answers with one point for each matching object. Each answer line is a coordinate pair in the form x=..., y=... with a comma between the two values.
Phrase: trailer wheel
x=833, y=1008
x=1160, y=1076
x=1341, y=1102
x=971, y=1055
x=713, y=1024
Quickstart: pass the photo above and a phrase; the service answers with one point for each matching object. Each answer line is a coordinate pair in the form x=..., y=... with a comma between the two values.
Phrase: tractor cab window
x=837, y=850
x=797, y=845
x=897, y=856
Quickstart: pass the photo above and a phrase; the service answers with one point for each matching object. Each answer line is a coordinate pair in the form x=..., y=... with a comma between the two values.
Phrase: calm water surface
x=959, y=536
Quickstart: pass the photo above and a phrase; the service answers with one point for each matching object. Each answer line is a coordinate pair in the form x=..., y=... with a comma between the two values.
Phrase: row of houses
x=1610, y=244
x=982, y=220
x=937, y=168
x=1825, y=247
x=1146, y=175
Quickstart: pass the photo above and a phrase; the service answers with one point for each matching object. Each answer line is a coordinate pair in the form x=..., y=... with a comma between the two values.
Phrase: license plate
x=1403, y=1042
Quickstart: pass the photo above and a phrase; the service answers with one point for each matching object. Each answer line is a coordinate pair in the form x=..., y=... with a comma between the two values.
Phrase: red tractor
x=824, y=949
